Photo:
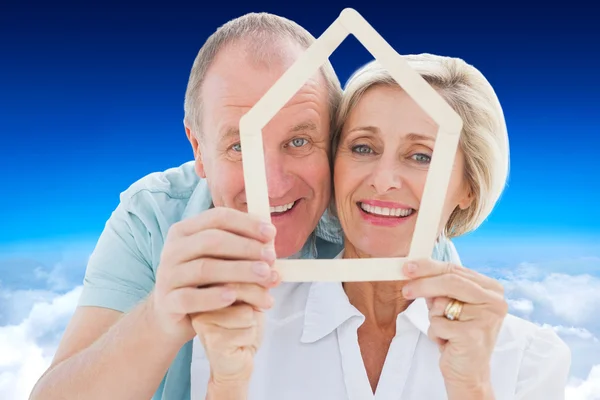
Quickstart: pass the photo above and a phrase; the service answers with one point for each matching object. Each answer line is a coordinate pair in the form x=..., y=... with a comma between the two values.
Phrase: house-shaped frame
x=449, y=128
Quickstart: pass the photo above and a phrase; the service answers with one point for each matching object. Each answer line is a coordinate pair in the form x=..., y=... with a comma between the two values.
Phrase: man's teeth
x=392, y=212
x=282, y=208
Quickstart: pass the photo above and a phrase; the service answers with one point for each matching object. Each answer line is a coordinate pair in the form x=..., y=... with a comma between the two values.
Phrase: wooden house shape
x=449, y=128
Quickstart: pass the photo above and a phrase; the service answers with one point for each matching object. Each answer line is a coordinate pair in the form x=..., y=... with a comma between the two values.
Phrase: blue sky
x=91, y=99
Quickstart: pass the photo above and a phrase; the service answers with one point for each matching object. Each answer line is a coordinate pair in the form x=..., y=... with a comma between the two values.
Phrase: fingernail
x=274, y=276
x=261, y=269
x=411, y=267
x=267, y=230
x=268, y=253
x=228, y=295
x=406, y=292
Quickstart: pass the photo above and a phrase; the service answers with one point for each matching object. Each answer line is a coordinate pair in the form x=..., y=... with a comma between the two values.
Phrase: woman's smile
x=385, y=213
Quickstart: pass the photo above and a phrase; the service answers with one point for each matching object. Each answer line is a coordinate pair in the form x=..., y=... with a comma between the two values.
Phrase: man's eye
x=236, y=147
x=298, y=142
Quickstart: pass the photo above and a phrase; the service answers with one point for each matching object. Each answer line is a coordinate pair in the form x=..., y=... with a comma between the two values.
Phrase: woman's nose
x=387, y=176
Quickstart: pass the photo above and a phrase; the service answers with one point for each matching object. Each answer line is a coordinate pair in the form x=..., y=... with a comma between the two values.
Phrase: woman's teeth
x=283, y=208
x=385, y=211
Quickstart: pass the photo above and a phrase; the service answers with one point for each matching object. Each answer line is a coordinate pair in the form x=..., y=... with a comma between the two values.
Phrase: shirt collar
x=199, y=201
x=328, y=307
x=329, y=228
x=418, y=314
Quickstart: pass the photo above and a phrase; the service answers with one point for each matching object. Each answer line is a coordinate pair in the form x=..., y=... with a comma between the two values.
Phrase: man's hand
x=210, y=262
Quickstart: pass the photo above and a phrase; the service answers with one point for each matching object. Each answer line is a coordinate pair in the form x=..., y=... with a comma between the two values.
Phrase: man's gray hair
x=264, y=33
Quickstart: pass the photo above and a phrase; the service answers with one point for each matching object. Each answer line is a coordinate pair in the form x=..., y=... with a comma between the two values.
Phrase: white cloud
x=15, y=305
x=57, y=278
x=573, y=299
x=581, y=333
x=562, y=294
x=569, y=303
x=588, y=389
x=55, y=266
x=522, y=306
x=26, y=349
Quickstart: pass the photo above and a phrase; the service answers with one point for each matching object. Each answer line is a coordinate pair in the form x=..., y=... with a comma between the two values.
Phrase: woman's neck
x=379, y=302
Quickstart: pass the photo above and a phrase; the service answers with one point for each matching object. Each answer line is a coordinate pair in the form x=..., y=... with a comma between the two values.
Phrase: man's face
x=296, y=143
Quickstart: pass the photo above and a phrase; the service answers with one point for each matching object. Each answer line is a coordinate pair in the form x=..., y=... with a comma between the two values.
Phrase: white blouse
x=310, y=352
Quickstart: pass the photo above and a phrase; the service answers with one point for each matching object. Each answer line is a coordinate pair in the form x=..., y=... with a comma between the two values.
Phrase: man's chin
x=287, y=245
x=285, y=250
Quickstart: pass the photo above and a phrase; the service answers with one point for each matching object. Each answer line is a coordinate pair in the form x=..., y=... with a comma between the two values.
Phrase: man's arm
x=113, y=347
x=124, y=353
x=105, y=353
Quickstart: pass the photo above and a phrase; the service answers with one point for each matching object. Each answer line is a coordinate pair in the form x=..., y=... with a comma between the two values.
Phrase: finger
x=434, y=335
x=252, y=294
x=468, y=312
x=214, y=243
x=193, y=300
x=429, y=301
x=216, y=338
x=442, y=330
x=447, y=285
x=235, y=317
x=428, y=267
x=208, y=271
x=481, y=279
x=227, y=219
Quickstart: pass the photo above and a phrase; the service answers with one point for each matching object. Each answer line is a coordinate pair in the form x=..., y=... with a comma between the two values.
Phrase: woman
x=445, y=332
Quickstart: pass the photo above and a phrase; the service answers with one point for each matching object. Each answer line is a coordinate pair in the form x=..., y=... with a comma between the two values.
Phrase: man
x=131, y=336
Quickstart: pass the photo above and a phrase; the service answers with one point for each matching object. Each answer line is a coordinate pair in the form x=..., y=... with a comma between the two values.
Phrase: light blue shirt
x=122, y=268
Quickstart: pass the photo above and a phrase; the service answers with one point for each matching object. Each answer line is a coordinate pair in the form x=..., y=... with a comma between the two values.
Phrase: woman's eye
x=298, y=142
x=237, y=147
x=361, y=149
x=422, y=158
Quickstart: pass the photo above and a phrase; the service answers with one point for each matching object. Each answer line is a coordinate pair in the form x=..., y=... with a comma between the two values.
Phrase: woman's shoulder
x=544, y=358
x=531, y=336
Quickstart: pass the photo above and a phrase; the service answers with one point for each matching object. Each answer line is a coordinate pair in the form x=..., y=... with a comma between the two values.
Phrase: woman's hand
x=466, y=343
x=231, y=336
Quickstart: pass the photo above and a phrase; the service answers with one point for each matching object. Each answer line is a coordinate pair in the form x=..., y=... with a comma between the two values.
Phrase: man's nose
x=279, y=180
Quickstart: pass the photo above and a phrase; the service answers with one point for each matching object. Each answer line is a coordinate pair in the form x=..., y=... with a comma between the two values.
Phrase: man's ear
x=199, y=165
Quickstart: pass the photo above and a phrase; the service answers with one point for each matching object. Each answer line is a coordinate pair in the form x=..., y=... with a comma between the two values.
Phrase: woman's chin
x=382, y=250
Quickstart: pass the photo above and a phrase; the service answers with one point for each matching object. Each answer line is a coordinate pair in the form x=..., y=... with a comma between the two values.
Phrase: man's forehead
x=232, y=86
x=225, y=89
x=236, y=77
x=231, y=132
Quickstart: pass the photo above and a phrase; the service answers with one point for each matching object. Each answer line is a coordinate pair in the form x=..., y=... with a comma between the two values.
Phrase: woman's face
x=380, y=170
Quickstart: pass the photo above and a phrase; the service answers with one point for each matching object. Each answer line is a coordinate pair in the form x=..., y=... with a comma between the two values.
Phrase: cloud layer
x=26, y=349
x=569, y=304
x=32, y=320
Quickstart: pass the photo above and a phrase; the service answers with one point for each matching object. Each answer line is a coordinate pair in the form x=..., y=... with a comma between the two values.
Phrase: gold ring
x=453, y=309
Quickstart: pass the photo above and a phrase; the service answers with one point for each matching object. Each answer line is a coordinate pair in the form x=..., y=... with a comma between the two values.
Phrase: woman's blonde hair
x=484, y=139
